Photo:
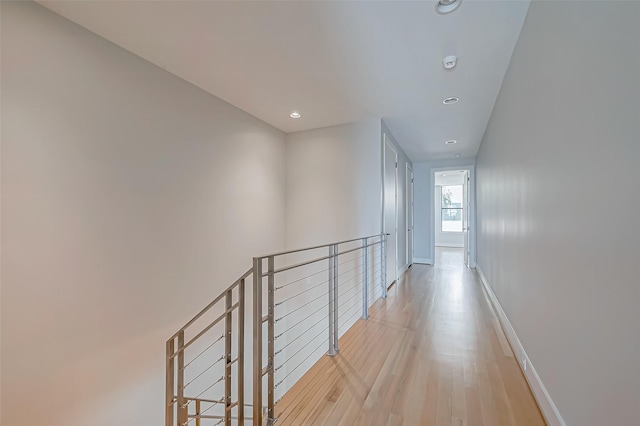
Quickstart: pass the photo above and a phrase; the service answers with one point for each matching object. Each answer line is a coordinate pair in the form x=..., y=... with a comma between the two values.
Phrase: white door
x=390, y=209
x=465, y=216
x=409, y=186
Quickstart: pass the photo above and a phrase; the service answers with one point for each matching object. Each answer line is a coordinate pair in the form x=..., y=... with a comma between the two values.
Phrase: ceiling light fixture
x=447, y=6
x=295, y=114
x=451, y=142
x=451, y=100
x=457, y=155
x=450, y=62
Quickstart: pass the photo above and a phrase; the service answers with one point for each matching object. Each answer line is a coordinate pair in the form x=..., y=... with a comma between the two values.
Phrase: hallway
x=432, y=353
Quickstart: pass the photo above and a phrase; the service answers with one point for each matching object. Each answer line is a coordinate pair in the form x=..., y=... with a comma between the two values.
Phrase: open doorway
x=452, y=240
x=390, y=209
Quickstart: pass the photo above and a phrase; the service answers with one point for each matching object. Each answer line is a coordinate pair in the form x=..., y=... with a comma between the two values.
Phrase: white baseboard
x=423, y=260
x=546, y=404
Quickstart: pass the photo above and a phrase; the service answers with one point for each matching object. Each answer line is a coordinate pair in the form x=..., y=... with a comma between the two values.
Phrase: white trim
x=472, y=209
x=387, y=141
x=452, y=245
x=546, y=404
x=408, y=254
x=423, y=260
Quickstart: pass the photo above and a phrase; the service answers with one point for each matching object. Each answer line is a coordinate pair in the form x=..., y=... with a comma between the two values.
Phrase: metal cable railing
x=300, y=303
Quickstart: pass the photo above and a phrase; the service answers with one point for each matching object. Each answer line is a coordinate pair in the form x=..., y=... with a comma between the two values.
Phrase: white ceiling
x=335, y=62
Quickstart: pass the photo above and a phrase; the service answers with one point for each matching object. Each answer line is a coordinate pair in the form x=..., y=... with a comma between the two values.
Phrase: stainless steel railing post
x=336, y=282
x=228, y=324
x=270, y=337
x=257, y=341
x=331, y=305
x=241, y=301
x=169, y=416
x=182, y=404
x=365, y=281
x=383, y=265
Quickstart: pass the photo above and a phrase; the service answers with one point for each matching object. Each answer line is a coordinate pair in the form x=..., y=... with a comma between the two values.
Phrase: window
x=451, y=208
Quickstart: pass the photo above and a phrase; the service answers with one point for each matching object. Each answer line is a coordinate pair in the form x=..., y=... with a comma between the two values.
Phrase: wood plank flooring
x=432, y=353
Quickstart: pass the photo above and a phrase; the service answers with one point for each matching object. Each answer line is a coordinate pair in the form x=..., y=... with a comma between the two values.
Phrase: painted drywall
x=558, y=239
x=130, y=198
x=424, y=205
x=333, y=194
x=403, y=160
x=444, y=239
x=333, y=183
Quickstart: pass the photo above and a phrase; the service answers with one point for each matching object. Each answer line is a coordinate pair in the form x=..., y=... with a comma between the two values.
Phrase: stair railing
x=274, y=307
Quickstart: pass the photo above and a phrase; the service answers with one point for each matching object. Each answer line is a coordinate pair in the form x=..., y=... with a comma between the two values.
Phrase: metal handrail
x=228, y=311
x=318, y=247
x=319, y=259
x=210, y=305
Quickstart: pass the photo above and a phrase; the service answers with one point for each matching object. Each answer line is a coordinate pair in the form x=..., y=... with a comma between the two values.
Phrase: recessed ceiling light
x=451, y=100
x=451, y=141
x=457, y=155
x=449, y=62
x=443, y=175
x=295, y=114
x=447, y=6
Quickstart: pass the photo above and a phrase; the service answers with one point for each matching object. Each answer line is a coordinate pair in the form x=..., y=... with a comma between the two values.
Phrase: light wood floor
x=432, y=353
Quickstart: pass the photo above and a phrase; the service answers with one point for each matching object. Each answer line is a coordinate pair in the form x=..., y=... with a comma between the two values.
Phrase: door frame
x=387, y=141
x=409, y=214
x=472, y=211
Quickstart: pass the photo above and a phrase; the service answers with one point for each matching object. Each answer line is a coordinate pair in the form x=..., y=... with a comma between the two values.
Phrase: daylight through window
x=451, y=208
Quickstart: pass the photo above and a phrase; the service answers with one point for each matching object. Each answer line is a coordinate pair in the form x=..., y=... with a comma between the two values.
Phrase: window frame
x=442, y=210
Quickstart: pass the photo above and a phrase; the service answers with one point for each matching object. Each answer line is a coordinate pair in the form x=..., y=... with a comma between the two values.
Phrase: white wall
x=403, y=160
x=424, y=205
x=130, y=198
x=333, y=194
x=557, y=237
x=333, y=183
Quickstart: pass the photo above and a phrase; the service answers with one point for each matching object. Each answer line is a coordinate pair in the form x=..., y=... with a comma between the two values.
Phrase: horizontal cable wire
x=297, y=366
x=299, y=350
x=352, y=279
x=350, y=270
x=357, y=293
x=351, y=260
x=214, y=383
x=300, y=307
x=351, y=317
x=207, y=369
x=206, y=349
x=220, y=401
x=300, y=335
x=377, y=291
x=376, y=264
x=302, y=292
x=348, y=309
x=375, y=277
x=357, y=285
x=300, y=279
x=346, y=301
x=302, y=320
x=376, y=295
